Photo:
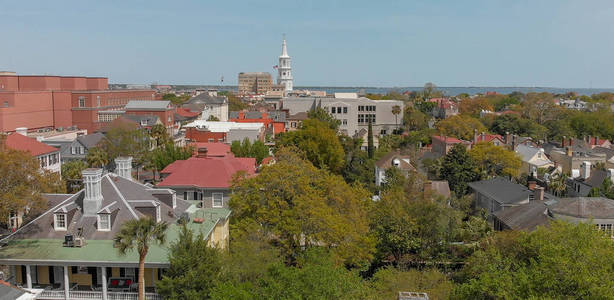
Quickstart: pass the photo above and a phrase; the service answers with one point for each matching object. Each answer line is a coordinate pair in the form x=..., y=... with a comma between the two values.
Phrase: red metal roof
x=449, y=139
x=488, y=137
x=184, y=112
x=209, y=172
x=19, y=142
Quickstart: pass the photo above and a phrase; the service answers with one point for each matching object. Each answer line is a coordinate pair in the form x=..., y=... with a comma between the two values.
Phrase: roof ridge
x=121, y=196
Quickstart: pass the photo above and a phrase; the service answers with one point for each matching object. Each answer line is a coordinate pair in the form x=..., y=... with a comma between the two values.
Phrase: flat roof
x=216, y=126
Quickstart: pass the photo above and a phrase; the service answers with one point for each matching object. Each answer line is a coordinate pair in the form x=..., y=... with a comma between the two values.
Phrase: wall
x=26, y=109
x=62, y=114
x=241, y=134
x=9, y=83
x=39, y=83
x=204, y=136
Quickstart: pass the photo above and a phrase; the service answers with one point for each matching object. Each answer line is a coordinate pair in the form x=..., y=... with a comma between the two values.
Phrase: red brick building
x=38, y=102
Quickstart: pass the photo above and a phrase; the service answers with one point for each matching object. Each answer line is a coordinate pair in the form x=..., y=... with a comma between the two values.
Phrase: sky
x=548, y=43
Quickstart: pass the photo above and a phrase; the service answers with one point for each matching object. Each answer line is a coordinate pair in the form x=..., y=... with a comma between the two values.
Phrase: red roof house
x=48, y=156
x=442, y=144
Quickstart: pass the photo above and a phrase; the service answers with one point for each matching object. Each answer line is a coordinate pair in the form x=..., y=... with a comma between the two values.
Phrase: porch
x=60, y=294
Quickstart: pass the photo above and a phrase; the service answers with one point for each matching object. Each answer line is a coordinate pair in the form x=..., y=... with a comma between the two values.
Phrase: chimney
x=585, y=170
x=570, y=141
x=507, y=137
x=482, y=137
x=123, y=167
x=569, y=151
x=475, y=136
x=532, y=184
x=22, y=130
x=596, y=141
x=563, y=141
x=202, y=152
x=538, y=193
x=92, y=201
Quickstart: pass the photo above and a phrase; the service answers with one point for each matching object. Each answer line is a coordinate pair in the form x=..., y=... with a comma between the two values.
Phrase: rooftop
x=147, y=105
x=585, y=207
x=215, y=126
x=501, y=190
x=19, y=142
x=209, y=172
x=524, y=217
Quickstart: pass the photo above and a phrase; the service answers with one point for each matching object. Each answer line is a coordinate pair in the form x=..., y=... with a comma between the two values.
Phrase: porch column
x=66, y=283
x=104, y=283
x=28, y=277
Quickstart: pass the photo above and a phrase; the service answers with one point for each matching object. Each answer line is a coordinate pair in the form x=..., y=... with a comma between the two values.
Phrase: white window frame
x=213, y=199
x=81, y=101
x=100, y=218
x=56, y=222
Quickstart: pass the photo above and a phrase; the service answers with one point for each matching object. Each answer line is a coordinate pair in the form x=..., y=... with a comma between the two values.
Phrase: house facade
x=69, y=250
x=533, y=158
x=48, y=156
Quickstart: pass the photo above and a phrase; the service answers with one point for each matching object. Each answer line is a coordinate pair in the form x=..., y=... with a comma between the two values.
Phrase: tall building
x=284, y=70
x=258, y=83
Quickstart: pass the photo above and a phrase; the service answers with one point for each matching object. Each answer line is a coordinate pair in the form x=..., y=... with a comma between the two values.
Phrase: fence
x=94, y=295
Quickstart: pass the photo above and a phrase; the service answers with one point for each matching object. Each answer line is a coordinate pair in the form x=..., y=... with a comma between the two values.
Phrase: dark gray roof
x=585, y=207
x=608, y=152
x=298, y=116
x=90, y=140
x=10, y=292
x=501, y=190
x=150, y=119
x=524, y=217
x=207, y=99
x=121, y=195
x=596, y=179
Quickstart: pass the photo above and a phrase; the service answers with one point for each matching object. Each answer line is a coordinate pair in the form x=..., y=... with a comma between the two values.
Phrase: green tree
x=236, y=149
x=322, y=115
x=124, y=139
x=319, y=143
x=213, y=118
x=259, y=151
x=138, y=235
x=234, y=102
x=159, y=133
x=71, y=172
x=558, y=184
x=388, y=282
x=460, y=126
x=493, y=160
x=370, y=146
x=97, y=157
x=22, y=183
x=562, y=261
x=414, y=119
x=458, y=168
x=194, y=268
x=299, y=207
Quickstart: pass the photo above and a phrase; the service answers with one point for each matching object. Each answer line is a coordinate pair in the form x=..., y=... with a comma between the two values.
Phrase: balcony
x=59, y=294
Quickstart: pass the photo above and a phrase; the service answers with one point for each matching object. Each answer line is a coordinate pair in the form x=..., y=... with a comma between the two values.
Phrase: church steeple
x=284, y=69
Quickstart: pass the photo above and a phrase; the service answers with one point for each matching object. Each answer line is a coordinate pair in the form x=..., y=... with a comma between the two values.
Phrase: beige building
x=258, y=83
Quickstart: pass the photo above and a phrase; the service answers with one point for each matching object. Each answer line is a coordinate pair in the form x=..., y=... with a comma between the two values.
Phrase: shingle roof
x=585, y=207
x=608, y=152
x=147, y=105
x=524, y=217
x=150, y=120
x=19, y=142
x=91, y=140
x=501, y=190
x=207, y=172
x=527, y=153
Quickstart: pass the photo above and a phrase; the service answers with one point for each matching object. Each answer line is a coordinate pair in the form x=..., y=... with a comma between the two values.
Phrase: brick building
x=36, y=102
x=255, y=83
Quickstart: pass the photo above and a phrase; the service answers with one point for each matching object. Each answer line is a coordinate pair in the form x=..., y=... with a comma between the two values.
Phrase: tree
x=514, y=124
x=460, y=126
x=71, y=172
x=194, y=268
x=212, y=118
x=396, y=110
x=370, y=146
x=257, y=150
x=322, y=115
x=176, y=100
x=123, y=139
x=22, y=183
x=97, y=157
x=459, y=168
x=495, y=160
x=539, y=107
x=388, y=282
x=562, y=261
x=473, y=107
x=168, y=153
x=137, y=235
x=234, y=102
x=159, y=133
x=298, y=206
x=318, y=142
x=414, y=119
x=558, y=184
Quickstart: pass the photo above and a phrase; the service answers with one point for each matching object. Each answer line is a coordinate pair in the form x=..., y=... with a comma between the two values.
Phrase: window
x=333, y=110
x=218, y=199
x=81, y=101
x=104, y=222
x=345, y=121
x=361, y=118
x=6, y=104
x=345, y=110
x=211, y=140
x=98, y=101
x=143, y=122
x=72, y=150
x=59, y=221
x=361, y=108
x=338, y=110
x=169, y=118
x=293, y=124
x=382, y=132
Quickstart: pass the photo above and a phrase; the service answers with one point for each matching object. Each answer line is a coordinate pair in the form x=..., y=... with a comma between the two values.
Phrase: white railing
x=95, y=295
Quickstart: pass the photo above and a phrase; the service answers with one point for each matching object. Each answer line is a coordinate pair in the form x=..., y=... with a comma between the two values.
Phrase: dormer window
x=104, y=222
x=59, y=221
x=143, y=122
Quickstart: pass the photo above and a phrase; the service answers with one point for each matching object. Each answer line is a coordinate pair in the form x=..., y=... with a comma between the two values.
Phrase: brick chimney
x=93, y=193
x=532, y=184
x=202, y=152
x=563, y=141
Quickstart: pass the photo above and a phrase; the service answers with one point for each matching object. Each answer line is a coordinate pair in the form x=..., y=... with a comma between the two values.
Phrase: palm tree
x=396, y=110
x=97, y=157
x=139, y=234
x=158, y=132
x=558, y=184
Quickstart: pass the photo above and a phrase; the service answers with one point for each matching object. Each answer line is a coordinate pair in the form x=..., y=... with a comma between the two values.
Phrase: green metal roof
x=102, y=252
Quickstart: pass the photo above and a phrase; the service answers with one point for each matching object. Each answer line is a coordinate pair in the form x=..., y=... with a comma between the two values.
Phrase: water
x=453, y=91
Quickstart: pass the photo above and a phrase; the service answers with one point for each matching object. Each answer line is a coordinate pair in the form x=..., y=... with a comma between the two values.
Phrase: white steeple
x=284, y=70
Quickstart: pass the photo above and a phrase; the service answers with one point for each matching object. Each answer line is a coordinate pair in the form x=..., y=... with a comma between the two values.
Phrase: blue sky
x=557, y=43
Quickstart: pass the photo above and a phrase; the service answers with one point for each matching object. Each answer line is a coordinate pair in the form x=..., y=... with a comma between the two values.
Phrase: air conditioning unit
x=69, y=240
x=79, y=242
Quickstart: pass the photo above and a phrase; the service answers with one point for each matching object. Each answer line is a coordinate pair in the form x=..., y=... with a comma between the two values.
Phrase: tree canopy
x=459, y=168
x=493, y=160
x=460, y=126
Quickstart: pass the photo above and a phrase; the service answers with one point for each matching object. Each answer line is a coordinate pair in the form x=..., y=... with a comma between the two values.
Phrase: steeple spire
x=284, y=50
x=284, y=69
